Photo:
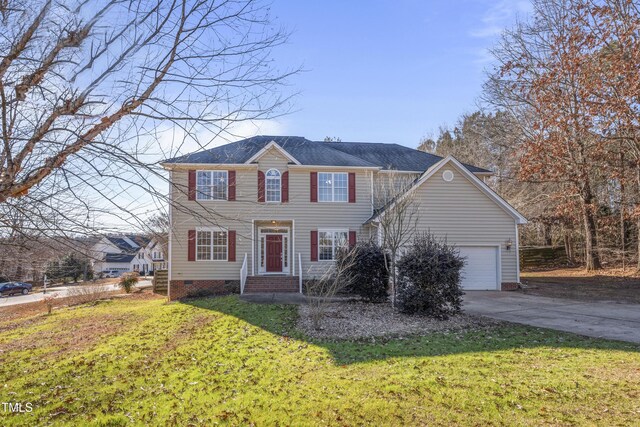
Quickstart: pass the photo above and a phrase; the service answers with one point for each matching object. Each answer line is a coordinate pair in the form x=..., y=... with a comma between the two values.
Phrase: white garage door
x=480, y=271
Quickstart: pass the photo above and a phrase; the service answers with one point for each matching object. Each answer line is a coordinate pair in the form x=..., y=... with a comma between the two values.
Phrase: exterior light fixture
x=508, y=244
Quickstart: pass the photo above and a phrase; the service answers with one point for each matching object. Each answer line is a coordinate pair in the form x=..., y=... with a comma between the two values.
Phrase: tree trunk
x=546, y=230
x=638, y=227
x=568, y=248
x=622, y=211
x=591, y=253
x=638, y=210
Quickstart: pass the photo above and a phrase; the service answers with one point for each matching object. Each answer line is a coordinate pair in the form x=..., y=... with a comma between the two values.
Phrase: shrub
x=128, y=280
x=87, y=293
x=429, y=278
x=48, y=301
x=367, y=269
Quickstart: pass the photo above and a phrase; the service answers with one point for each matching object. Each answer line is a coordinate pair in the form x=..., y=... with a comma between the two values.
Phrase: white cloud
x=174, y=141
x=499, y=16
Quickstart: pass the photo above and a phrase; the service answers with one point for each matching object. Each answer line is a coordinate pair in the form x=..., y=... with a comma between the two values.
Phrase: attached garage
x=481, y=271
x=455, y=205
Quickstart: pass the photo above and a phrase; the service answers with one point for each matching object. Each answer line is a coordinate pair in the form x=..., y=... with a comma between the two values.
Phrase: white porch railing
x=300, y=271
x=243, y=274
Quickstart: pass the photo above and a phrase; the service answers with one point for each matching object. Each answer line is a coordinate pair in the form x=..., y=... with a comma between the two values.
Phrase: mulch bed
x=350, y=320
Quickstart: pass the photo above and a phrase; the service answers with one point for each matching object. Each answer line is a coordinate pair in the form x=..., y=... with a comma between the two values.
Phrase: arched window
x=273, y=185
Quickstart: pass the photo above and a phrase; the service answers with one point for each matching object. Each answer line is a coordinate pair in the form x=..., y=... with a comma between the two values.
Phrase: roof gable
x=272, y=145
x=481, y=186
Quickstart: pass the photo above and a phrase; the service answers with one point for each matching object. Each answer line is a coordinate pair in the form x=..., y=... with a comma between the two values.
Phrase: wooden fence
x=542, y=256
x=160, y=281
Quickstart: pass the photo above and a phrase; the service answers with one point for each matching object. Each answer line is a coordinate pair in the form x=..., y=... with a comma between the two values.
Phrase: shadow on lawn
x=281, y=319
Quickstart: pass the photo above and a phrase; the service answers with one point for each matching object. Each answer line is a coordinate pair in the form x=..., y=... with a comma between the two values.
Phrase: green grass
x=223, y=361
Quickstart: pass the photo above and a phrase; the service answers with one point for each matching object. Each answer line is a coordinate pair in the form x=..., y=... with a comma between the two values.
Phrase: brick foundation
x=195, y=288
x=509, y=286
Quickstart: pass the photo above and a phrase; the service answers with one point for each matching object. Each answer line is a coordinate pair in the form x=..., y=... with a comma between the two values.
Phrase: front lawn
x=142, y=361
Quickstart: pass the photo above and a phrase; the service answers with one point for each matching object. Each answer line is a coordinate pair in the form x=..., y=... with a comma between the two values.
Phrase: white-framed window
x=333, y=186
x=329, y=241
x=211, y=185
x=273, y=185
x=211, y=245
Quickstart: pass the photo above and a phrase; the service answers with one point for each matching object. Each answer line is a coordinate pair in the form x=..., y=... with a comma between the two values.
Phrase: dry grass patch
x=576, y=283
x=87, y=293
x=85, y=331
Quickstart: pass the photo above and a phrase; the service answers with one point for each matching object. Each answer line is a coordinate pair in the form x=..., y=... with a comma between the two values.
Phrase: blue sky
x=376, y=71
x=382, y=70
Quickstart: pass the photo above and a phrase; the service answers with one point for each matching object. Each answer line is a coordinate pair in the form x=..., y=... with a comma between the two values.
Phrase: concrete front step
x=261, y=284
x=269, y=289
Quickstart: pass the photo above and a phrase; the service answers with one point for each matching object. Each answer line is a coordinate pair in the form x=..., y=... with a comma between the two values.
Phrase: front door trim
x=287, y=256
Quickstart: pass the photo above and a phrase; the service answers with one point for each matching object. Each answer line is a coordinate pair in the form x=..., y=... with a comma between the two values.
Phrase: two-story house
x=270, y=211
x=126, y=253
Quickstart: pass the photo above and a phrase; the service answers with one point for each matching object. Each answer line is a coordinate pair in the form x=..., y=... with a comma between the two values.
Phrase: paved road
x=605, y=319
x=60, y=291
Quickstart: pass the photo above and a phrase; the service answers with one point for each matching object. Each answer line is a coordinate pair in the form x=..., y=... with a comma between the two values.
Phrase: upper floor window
x=273, y=186
x=211, y=185
x=211, y=245
x=333, y=186
x=329, y=241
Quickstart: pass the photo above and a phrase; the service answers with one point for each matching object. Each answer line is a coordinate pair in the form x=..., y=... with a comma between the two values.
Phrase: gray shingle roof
x=393, y=156
x=317, y=153
x=121, y=243
x=118, y=257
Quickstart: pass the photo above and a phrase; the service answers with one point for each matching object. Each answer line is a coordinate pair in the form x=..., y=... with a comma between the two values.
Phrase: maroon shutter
x=352, y=187
x=231, y=185
x=352, y=239
x=314, y=245
x=192, y=185
x=314, y=186
x=191, y=245
x=260, y=186
x=231, y=236
x=285, y=187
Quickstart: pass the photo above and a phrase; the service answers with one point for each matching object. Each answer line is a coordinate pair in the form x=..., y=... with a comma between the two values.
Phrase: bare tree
x=536, y=81
x=334, y=280
x=397, y=217
x=159, y=226
x=94, y=94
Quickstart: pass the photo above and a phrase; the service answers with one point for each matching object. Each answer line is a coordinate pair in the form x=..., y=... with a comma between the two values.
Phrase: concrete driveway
x=617, y=321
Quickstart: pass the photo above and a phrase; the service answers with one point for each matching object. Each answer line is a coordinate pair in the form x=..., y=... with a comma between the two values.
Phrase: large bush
x=366, y=268
x=429, y=278
x=128, y=281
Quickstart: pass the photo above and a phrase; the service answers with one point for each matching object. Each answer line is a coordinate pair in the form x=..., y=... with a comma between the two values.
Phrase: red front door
x=274, y=253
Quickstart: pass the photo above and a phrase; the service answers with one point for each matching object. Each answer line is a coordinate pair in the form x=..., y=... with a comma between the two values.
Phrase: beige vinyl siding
x=190, y=215
x=459, y=211
x=238, y=215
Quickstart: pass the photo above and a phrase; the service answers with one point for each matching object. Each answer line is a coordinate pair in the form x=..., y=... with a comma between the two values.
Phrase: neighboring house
x=275, y=205
x=126, y=253
x=155, y=250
